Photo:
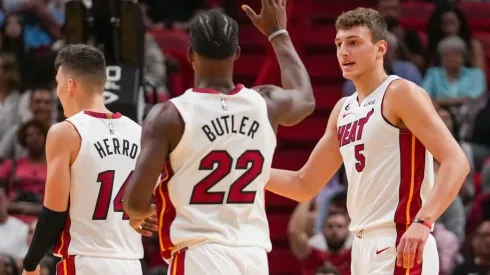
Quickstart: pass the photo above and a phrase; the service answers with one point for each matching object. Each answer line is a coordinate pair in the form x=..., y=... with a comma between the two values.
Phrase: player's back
x=213, y=184
x=96, y=225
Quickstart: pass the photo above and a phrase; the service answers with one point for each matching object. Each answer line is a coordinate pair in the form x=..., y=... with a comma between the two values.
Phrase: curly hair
x=22, y=133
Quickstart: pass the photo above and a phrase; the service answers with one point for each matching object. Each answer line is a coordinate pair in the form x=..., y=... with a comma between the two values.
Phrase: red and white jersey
x=97, y=225
x=212, y=187
x=389, y=172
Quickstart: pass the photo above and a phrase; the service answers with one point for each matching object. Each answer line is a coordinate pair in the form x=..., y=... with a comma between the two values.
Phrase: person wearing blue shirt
x=452, y=84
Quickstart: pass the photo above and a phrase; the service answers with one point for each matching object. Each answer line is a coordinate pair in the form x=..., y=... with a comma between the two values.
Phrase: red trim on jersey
x=412, y=164
x=235, y=90
x=412, y=169
x=61, y=248
x=103, y=115
x=66, y=266
x=177, y=267
x=165, y=211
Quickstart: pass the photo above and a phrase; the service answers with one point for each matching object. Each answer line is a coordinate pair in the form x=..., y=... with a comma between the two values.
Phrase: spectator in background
x=477, y=261
x=13, y=36
x=410, y=47
x=41, y=9
x=176, y=14
x=448, y=246
x=27, y=175
x=326, y=270
x=331, y=245
x=8, y=265
x=42, y=106
x=452, y=84
x=448, y=20
x=13, y=231
x=9, y=96
x=404, y=69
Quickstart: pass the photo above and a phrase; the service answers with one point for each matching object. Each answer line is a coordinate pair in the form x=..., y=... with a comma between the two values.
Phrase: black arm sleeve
x=48, y=230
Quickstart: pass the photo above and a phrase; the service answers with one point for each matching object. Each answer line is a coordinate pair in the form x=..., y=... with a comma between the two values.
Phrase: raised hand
x=272, y=16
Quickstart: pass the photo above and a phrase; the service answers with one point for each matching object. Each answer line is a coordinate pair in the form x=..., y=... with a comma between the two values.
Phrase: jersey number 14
x=106, y=180
x=224, y=162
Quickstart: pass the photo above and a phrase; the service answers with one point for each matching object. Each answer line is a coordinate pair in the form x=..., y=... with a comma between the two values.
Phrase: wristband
x=423, y=223
x=276, y=33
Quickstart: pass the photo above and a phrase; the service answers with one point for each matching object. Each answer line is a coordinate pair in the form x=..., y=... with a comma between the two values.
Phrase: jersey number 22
x=236, y=194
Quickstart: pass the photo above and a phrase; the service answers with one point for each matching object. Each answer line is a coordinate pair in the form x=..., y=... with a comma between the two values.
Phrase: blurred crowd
x=446, y=60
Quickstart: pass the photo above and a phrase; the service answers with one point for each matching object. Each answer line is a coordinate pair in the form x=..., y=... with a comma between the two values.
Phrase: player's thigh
x=82, y=265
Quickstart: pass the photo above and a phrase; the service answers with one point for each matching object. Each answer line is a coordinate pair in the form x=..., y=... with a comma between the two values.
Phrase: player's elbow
x=306, y=108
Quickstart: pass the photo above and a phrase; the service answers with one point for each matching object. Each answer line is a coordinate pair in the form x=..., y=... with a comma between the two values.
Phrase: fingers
x=399, y=252
x=250, y=13
x=409, y=252
x=143, y=232
x=420, y=253
x=150, y=224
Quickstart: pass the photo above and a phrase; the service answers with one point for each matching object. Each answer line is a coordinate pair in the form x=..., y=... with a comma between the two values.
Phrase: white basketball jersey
x=213, y=183
x=389, y=172
x=97, y=225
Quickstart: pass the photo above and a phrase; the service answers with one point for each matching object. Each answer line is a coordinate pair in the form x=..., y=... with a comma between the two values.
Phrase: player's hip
x=374, y=251
x=219, y=259
x=88, y=265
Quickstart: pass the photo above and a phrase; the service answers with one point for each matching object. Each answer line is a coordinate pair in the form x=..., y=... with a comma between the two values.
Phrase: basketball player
x=215, y=145
x=385, y=134
x=90, y=158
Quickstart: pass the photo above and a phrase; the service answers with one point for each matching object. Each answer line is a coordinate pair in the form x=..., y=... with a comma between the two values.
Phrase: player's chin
x=348, y=74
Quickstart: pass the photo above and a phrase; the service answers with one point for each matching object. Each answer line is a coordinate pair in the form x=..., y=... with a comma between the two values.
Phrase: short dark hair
x=22, y=133
x=214, y=35
x=83, y=60
x=363, y=17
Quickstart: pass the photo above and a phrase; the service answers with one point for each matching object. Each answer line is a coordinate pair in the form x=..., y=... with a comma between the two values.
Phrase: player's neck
x=368, y=83
x=93, y=104
x=222, y=84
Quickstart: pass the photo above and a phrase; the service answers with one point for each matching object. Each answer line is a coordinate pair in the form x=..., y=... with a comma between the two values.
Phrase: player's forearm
x=136, y=204
x=294, y=75
x=48, y=231
x=449, y=180
x=289, y=184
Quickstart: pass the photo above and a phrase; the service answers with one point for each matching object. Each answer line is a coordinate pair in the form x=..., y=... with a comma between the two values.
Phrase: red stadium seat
x=416, y=14
x=278, y=226
x=327, y=96
x=282, y=262
x=477, y=13
x=309, y=130
x=290, y=159
x=272, y=200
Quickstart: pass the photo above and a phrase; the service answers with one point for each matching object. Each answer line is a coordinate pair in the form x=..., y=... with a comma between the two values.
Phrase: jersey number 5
x=361, y=159
x=106, y=180
x=224, y=162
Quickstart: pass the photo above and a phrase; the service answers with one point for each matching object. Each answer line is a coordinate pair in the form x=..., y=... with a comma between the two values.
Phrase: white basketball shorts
x=217, y=259
x=374, y=253
x=84, y=265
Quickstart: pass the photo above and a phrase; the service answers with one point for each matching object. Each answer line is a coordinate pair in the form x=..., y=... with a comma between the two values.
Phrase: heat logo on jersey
x=352, y=131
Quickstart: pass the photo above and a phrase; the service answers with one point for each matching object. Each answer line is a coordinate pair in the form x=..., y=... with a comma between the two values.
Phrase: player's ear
x=71, y=86
x=382, y=48
x=238, y=52
x=190, y=54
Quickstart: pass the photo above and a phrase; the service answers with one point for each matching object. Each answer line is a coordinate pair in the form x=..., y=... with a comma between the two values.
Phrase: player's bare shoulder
x=278, y=102
x=164, y=121
x=63, y=136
